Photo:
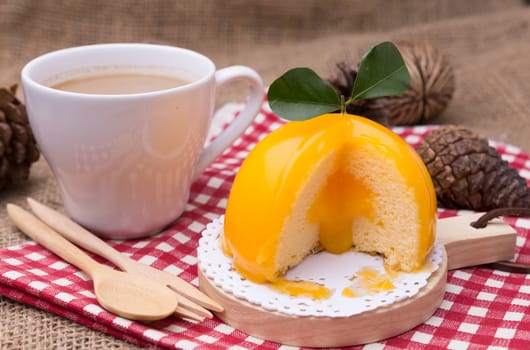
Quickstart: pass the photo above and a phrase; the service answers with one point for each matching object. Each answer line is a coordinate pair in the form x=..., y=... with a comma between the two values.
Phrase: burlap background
x=487, y=41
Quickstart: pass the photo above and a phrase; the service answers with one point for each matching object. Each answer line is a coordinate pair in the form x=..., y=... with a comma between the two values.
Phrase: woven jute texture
x=486, y=41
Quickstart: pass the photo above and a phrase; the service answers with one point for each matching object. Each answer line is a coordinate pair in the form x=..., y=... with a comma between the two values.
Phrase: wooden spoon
x=131, y=296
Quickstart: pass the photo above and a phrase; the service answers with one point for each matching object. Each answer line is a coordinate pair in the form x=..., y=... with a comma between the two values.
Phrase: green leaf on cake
x=301, y=94
x=382, y=72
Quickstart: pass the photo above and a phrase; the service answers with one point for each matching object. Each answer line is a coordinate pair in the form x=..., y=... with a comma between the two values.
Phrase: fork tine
x=180, y=286
x=184, y=313
x=191, y=306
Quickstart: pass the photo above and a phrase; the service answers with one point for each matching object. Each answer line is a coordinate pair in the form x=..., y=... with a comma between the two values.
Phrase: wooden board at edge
x=358, y=329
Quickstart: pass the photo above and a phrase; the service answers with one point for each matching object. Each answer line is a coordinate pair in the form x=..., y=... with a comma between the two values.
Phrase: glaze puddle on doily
x=351, y=271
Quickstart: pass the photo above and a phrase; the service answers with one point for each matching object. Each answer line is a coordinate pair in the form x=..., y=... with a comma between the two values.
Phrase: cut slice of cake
x=334, y=182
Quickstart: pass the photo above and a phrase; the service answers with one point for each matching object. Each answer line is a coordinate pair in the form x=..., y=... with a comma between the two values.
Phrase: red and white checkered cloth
x=482, y=308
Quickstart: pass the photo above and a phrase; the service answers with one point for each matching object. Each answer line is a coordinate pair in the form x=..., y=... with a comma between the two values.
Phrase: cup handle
x=243, y=120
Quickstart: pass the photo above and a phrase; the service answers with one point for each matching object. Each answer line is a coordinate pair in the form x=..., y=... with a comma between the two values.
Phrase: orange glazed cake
x=334, y=182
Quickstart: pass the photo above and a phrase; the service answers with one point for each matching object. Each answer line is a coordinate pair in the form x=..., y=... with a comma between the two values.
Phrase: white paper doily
x=333, y=271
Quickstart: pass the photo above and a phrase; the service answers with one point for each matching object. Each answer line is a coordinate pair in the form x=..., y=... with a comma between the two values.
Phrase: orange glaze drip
x=301, y=288
x=373, y=281
x=368, y=281
x=349, y=293
x=334, y=210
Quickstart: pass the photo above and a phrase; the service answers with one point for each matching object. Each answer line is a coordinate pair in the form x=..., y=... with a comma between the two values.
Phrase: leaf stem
x=348, y=102
x=342, y=105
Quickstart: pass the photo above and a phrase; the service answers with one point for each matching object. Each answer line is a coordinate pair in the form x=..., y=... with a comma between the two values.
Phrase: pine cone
x=469, y=174
x=18, y=149
x=431, y=88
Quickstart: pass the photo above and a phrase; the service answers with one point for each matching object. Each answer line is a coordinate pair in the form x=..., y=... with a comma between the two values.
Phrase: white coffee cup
x=125, y=162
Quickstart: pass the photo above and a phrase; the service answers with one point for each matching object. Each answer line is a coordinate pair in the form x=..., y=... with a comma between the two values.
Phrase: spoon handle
x=78, y=235
x=51, y=240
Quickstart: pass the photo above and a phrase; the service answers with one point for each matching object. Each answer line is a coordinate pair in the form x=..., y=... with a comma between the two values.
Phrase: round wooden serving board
x=464, y=246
